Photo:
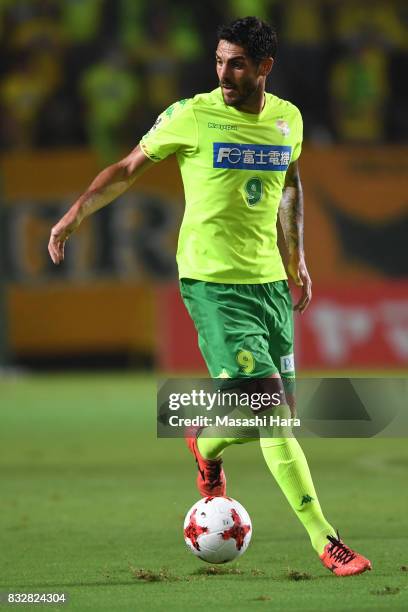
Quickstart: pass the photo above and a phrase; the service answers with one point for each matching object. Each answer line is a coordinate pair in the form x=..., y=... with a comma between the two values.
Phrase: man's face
x=238, y=75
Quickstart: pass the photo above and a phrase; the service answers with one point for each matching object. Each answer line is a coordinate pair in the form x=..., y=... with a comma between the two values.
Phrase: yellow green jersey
x=233, y=167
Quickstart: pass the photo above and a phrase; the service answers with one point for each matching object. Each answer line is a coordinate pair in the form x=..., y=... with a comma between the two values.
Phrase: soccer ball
x=217, y=529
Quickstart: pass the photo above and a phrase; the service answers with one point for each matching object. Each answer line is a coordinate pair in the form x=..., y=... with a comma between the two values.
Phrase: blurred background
x=81, y=81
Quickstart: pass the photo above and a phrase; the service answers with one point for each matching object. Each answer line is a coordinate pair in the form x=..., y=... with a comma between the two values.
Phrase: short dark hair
x=257, y=37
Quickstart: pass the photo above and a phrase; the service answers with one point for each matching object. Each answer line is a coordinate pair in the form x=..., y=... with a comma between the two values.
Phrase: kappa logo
x=223, y=374
x=306, y=499
x=156, y=123
x=251, y=156
x=221, y=126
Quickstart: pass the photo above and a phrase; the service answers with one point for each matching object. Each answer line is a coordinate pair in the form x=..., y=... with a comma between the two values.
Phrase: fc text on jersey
x=251, y=156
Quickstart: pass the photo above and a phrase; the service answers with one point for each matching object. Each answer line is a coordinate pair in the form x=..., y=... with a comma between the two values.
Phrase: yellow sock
x=212, y=448
x=287, y=462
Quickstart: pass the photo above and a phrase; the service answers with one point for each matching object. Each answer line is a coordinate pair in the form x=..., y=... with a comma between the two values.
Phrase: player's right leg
x=211, y=480
x=232, y=341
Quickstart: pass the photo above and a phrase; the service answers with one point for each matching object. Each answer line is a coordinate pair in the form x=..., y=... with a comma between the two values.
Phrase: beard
x=237, y=97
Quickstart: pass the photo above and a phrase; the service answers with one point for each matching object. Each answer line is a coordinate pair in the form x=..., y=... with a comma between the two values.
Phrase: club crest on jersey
x=251, y=156
x=283, y=127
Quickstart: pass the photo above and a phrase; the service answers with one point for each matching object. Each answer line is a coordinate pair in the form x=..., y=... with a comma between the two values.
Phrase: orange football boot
x=342, y=560
x=211, y=481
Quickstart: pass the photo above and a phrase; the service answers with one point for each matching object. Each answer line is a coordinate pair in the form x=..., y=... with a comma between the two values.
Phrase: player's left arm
x=291, y=220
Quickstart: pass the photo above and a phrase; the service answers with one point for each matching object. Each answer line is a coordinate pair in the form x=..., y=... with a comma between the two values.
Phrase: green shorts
x=243, y=330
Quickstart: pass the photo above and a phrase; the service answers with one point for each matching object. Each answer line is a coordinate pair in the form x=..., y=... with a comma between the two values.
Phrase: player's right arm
x=174, y=130
x=106, y=187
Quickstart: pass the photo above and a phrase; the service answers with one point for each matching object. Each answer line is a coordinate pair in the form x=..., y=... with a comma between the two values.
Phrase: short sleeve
x=175, y=130
x=297, y=137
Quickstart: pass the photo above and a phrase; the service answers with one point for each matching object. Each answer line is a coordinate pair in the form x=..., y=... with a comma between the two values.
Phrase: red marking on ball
x=238, y=531
x=193, y=530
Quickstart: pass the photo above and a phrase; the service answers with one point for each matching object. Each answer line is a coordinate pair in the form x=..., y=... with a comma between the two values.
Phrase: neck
x=254, y=103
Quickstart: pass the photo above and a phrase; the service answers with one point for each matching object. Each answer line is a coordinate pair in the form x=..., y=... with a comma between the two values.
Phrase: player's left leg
x=287, y=462
x=284, y=455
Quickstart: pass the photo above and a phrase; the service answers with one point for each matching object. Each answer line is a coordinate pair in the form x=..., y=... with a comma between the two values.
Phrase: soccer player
x=238, y=149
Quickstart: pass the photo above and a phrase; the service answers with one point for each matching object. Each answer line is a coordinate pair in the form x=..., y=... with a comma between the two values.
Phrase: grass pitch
x=92, y=504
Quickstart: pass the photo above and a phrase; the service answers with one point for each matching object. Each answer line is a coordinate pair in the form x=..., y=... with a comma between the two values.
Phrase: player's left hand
x=298, y=273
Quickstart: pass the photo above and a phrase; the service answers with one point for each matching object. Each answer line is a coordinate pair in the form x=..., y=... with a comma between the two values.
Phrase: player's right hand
x=59, y=235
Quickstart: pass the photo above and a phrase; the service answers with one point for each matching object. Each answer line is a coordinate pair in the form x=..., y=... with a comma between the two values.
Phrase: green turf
x=89, y=498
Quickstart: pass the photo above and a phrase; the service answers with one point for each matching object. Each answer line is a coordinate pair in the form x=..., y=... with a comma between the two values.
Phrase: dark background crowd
x=97, y=72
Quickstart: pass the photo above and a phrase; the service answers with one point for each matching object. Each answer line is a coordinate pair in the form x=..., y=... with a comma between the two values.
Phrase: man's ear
x=266, y=66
